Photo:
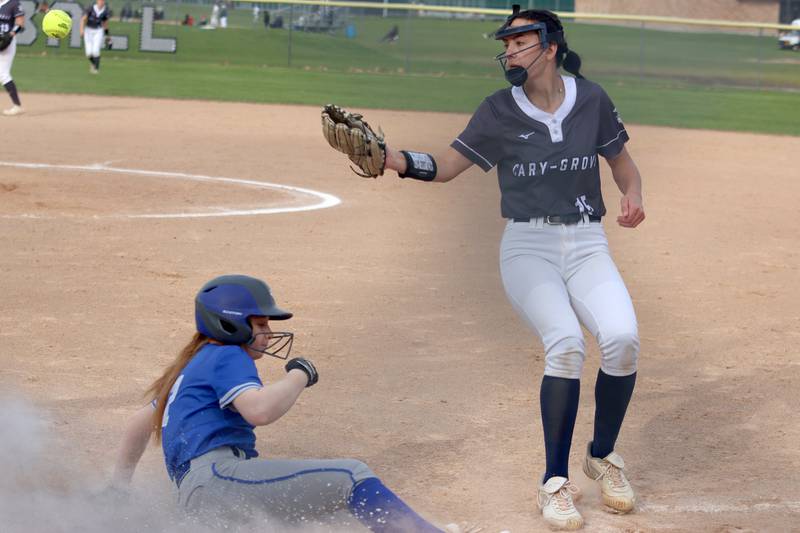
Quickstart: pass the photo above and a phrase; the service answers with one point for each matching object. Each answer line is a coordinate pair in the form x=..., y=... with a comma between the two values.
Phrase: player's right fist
x=306, y=366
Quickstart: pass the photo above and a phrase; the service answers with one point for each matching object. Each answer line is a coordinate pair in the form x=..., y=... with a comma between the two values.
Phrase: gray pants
x=222, y=485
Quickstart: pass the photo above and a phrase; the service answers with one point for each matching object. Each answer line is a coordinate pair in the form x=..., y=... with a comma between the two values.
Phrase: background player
x=12, y=21
x=207, y=403
x=94, y=30
x=545, y=136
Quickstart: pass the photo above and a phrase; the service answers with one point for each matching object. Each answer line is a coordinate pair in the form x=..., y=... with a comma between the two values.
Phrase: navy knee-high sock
x=559, y=403
x=611, y=396
x=380, y=510
x=11, y=87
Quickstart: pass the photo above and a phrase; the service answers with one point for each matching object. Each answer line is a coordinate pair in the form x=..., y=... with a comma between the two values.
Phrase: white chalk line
x=325, y=200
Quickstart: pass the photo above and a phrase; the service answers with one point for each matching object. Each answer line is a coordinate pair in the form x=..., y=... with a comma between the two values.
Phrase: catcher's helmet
x=224, y=304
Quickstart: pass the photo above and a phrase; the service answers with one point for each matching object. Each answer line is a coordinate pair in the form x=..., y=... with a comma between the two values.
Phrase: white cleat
x=92, y=70
x=555, y=499
x=615, y=488
x=14, y=110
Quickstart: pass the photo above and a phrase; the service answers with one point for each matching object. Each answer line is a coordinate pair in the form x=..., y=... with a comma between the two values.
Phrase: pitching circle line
x=325, y=200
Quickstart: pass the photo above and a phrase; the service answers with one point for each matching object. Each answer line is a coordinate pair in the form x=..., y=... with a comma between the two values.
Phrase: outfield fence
x=402, y=39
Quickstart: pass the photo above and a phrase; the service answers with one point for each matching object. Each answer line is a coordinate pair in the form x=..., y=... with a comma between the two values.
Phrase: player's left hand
x=301, y=363
x=350, y=134
x=111, y=495
x=632, y=211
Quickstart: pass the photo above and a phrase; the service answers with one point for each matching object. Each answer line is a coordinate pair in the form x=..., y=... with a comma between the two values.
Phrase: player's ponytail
x=571, y=62
x=160, y=389
x=565, y=58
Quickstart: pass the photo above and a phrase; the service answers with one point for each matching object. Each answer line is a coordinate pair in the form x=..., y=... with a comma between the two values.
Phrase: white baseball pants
x=558, y=277
x=93, y=40
x=6, y=60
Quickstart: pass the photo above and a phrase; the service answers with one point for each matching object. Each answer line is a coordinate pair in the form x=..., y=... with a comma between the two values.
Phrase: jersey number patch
x=584, y=207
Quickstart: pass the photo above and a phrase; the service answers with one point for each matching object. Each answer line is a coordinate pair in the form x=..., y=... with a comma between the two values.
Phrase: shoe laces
x=562, y=499
x=615, y=476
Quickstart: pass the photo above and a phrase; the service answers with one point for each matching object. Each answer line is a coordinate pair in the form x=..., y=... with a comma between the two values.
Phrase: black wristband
x=105, y=31
x=17, y=29
x=419, y=165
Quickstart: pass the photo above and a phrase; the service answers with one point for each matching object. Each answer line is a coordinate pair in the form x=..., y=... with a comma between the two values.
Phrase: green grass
x=437, y=65
x=434, y=46
x=708, y=108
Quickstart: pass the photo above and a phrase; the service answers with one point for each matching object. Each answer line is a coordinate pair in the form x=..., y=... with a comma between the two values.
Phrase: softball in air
x=57, y=23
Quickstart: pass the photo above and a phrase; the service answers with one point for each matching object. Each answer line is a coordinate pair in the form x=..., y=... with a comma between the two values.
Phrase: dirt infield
x=426, y=372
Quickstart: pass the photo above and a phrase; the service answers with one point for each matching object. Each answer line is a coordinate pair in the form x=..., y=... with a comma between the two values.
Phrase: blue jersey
x=200, y=415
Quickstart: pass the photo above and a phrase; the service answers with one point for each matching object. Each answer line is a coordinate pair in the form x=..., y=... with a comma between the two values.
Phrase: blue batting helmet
x=224, y=304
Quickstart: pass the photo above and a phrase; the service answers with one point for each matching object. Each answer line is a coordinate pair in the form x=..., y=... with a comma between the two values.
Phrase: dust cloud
x=44, y=488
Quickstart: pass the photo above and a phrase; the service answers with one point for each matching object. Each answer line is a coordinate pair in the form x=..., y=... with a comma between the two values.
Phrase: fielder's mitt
x=109, y=43
x=5, y=40
x=351, y=135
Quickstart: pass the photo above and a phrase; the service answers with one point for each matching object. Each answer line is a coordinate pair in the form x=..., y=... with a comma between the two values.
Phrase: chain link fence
x=453, y=38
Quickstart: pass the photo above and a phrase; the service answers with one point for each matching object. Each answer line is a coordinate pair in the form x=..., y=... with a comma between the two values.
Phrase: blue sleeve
x=480, y=141
x=611, y=134
x=18, y=12
x=234, y=373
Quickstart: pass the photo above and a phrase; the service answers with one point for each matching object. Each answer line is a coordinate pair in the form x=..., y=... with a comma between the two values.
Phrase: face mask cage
x=545, y=37
x=503, y=56
x=279, y=344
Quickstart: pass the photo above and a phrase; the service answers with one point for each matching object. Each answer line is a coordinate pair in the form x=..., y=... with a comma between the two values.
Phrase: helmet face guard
x=545, y=36
x=507, y=31
x=279, y=344
x=503, y=56
x=518, y=75
x=224, y=305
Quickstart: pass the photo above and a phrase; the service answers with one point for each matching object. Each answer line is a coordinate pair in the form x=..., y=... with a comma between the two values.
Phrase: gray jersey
x=547, y=164
x=96, y=16
x=9, y=11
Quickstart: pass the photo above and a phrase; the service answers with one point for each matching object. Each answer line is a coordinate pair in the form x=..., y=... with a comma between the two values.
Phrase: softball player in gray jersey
x=12, y=21
x=208, y=401
x=94, y=30
x=546, y=135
